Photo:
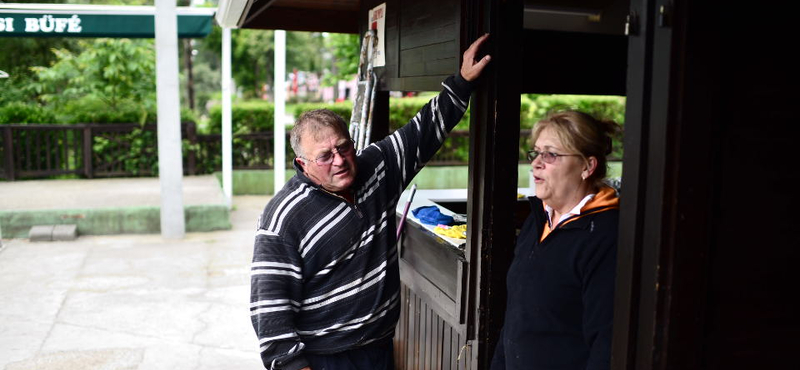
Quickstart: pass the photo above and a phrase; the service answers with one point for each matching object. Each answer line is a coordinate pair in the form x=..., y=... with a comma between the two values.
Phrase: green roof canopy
x=66, y=20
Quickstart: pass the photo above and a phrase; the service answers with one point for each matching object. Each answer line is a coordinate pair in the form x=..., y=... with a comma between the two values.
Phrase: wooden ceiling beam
x=303, y=19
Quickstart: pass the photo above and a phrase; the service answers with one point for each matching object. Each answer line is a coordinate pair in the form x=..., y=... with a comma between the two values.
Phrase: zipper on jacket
x=353, y=205
x=358, y=211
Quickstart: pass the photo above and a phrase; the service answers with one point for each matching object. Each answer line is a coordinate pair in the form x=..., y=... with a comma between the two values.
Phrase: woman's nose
x=537, y=162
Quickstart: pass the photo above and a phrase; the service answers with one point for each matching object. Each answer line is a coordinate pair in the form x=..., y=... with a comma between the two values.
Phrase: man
x=325, y=279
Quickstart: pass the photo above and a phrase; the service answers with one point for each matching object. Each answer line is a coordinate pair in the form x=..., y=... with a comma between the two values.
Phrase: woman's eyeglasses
x=547, y=157
x=327, y=158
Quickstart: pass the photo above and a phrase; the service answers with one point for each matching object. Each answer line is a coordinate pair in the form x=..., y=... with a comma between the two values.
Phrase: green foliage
x=16, y=112
x=21, y=53
x=344, y=109
x=402, y=110
x=13, y=88
x=346, y=49
x=252, y=52
x=91, y=109
x=248, y=116
x=112, y=70
x=140, y=159
x=601, y=107
x=532, y=109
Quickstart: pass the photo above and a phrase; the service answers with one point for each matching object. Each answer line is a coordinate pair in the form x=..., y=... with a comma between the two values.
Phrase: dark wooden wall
x=751, y=314
x=708, y=241
x=422, y=40
x=557, y=62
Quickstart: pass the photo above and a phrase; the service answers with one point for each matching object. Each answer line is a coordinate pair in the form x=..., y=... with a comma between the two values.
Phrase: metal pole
x=170, y=164
x=280, y=110
x=227, y=120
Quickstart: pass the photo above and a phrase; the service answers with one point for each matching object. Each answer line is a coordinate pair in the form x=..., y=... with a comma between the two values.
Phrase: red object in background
x=294, y=80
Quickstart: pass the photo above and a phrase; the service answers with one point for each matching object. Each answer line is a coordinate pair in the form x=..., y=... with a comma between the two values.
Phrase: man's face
x=339, y=174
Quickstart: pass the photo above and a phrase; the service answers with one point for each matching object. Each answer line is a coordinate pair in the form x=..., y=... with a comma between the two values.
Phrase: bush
x=344, y=109
x=16, y=112
x=600, y=107
x=94, y=110
x=248, y=117
x=402, y=110
x=13, y=89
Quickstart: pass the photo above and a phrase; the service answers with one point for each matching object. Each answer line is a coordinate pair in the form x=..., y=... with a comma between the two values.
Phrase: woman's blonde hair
x=580, y=133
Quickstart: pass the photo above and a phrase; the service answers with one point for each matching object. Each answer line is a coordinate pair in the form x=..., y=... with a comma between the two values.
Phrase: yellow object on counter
x=457, y=231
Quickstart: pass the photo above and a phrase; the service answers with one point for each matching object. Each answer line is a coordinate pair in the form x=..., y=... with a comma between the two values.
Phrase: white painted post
x=227, y=121
x=170, y=161
x=280, y=109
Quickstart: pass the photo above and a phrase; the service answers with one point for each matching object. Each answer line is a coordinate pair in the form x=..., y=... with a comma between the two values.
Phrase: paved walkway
x=131, y=301
x=101, y=193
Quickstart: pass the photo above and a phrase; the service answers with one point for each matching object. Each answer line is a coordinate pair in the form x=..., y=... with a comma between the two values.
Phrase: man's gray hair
x=314, y=120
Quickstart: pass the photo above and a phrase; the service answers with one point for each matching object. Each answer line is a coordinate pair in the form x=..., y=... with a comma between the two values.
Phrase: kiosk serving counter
x=434, y=272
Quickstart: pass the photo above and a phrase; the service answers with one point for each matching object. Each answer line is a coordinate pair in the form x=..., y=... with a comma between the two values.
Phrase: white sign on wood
x=377, y=21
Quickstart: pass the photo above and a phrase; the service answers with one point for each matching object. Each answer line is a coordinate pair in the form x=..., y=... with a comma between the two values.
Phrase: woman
x=561, y=282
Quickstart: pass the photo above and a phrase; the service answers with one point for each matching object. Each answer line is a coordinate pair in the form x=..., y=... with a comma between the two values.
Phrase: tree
x=252, y=54
x=346, y=50
x=112, y=70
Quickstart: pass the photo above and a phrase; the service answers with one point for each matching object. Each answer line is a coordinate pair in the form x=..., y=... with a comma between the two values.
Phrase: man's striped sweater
x=325, y=276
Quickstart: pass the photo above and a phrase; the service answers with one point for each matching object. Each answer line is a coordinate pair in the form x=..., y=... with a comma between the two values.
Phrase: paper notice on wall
x=377, y=21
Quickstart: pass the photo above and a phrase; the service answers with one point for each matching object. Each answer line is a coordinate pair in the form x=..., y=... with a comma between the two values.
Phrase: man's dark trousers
x=374, y=356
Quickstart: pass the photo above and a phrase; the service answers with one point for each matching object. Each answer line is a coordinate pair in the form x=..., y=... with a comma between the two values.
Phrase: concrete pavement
x=131, y=301
x=107, y=206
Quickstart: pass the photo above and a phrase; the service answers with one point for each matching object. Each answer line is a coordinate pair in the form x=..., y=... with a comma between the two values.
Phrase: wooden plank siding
x=422, y=42
x=428, y=39
x=424, y=340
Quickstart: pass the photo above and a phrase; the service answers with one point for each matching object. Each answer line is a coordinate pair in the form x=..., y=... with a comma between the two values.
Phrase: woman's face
x=559, y=184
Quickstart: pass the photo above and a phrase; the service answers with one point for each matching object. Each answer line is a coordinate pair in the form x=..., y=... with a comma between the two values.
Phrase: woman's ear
x=589, y=168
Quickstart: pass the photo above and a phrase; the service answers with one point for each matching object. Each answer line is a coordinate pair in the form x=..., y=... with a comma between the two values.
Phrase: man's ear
x=302, y=163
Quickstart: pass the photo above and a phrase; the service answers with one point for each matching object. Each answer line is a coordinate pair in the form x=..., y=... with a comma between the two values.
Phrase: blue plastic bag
x=430, y=215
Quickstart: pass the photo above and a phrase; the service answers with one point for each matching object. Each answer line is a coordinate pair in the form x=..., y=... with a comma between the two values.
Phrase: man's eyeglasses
x=327, y=158
x=547, y=157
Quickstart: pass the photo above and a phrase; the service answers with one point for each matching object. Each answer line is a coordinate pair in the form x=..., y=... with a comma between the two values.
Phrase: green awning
x=97, y=21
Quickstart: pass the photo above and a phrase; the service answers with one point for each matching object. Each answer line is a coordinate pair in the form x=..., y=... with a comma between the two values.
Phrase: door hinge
x=631, y=24
x=664, y=15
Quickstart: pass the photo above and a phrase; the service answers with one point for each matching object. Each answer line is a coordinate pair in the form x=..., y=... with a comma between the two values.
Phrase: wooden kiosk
x=700, y=285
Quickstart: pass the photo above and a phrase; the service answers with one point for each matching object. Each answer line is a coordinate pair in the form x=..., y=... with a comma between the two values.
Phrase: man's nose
x=338, y=159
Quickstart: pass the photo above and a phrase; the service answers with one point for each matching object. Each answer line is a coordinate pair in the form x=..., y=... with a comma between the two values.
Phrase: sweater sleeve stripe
x=265, y=232
x=441, y=131
x=379, y=312
x=374, y=182
x=272, y=302
x=462, y=105
x=264, y=310
x=276, y=272
x=441, y=125
x=399, y=151
x=277, y=337
x=276, y=264
x=285, y=206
